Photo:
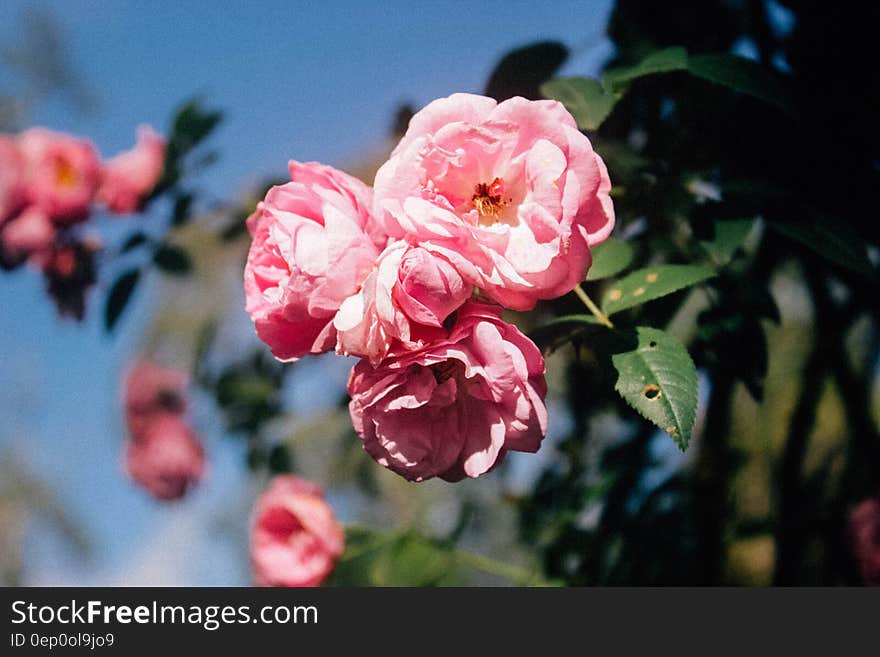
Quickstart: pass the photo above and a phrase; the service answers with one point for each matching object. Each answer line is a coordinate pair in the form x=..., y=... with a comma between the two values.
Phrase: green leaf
x=119, y=296
x=172, y=259
x=737, y=73
x=280, y=459
x=204, y=341
x=661, y=61
x=833, y=240
x=192, y=125
x=391, y=559
x=729, y=236
x=587, y=100
x=659, y=380
x=743, y=75
x=522, y=71
x=413, y=560
x=134, y=241
x=651, y=283
x=237, y=388
x=609, y=259
x=181, y=212
x=621, y=158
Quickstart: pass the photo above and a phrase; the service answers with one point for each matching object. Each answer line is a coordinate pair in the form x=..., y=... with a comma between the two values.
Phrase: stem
x=515, y=574
x=593, y=308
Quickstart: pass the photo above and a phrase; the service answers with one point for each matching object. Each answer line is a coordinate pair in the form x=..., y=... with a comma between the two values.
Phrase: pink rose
x=29, y=232
x=152, y=391
x=129, y=178
x=512, y=192
x=61, y=173
x=295, y=540
x=864, y=523
x=166, y=458
x=311, y=249
x=11, y=177
x=404, y=300
x=455, y=407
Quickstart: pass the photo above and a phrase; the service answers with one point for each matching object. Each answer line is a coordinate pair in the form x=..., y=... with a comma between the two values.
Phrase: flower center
x=65, y=174
x=488, y=199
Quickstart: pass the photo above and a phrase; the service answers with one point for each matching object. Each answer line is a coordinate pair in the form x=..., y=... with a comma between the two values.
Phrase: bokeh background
x=608, y=499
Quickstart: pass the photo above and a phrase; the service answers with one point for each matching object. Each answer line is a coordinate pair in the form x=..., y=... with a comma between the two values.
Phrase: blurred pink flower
x=68, y=266
x=311, y=249
x=61, y=173
x=165, y=458
x=29, y=232
x=128, y=178
x=11, y=178
x=455, y=407
x=152, y=391
x=864, y=524
x=512, y=193
x=404, y=300
x=295, y=539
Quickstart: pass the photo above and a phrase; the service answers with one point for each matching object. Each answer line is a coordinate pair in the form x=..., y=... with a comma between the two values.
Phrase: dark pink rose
x=166, y=458
x=453, y=408
x=295, y=540
x=152, y=391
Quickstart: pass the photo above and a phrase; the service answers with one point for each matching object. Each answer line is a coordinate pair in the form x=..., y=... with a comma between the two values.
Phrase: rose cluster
x=49, y=183
x=163, y=454
x=481, y=206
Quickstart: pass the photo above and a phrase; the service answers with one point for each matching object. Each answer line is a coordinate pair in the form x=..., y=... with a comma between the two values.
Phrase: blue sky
x=304, y=80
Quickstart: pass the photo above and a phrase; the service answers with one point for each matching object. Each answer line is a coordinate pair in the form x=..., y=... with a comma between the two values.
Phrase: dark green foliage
x=120, y=295
x=521, y=72
x=719, y=166
x=172, y=259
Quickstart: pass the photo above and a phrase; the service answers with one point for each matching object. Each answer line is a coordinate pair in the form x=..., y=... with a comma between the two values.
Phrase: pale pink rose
x=864, y=524
x=61, y=173
x=455, y=407
x=510, y=191
x=295, y=539
x=129, y=178
x=29, y=232
x=310, y=251
x=152, y=391
x=403, y=302
x=11, y=178
x=166, y=458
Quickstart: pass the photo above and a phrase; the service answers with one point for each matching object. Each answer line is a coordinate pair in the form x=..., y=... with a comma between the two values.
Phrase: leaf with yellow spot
x=651, y=283
x=656, y=376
